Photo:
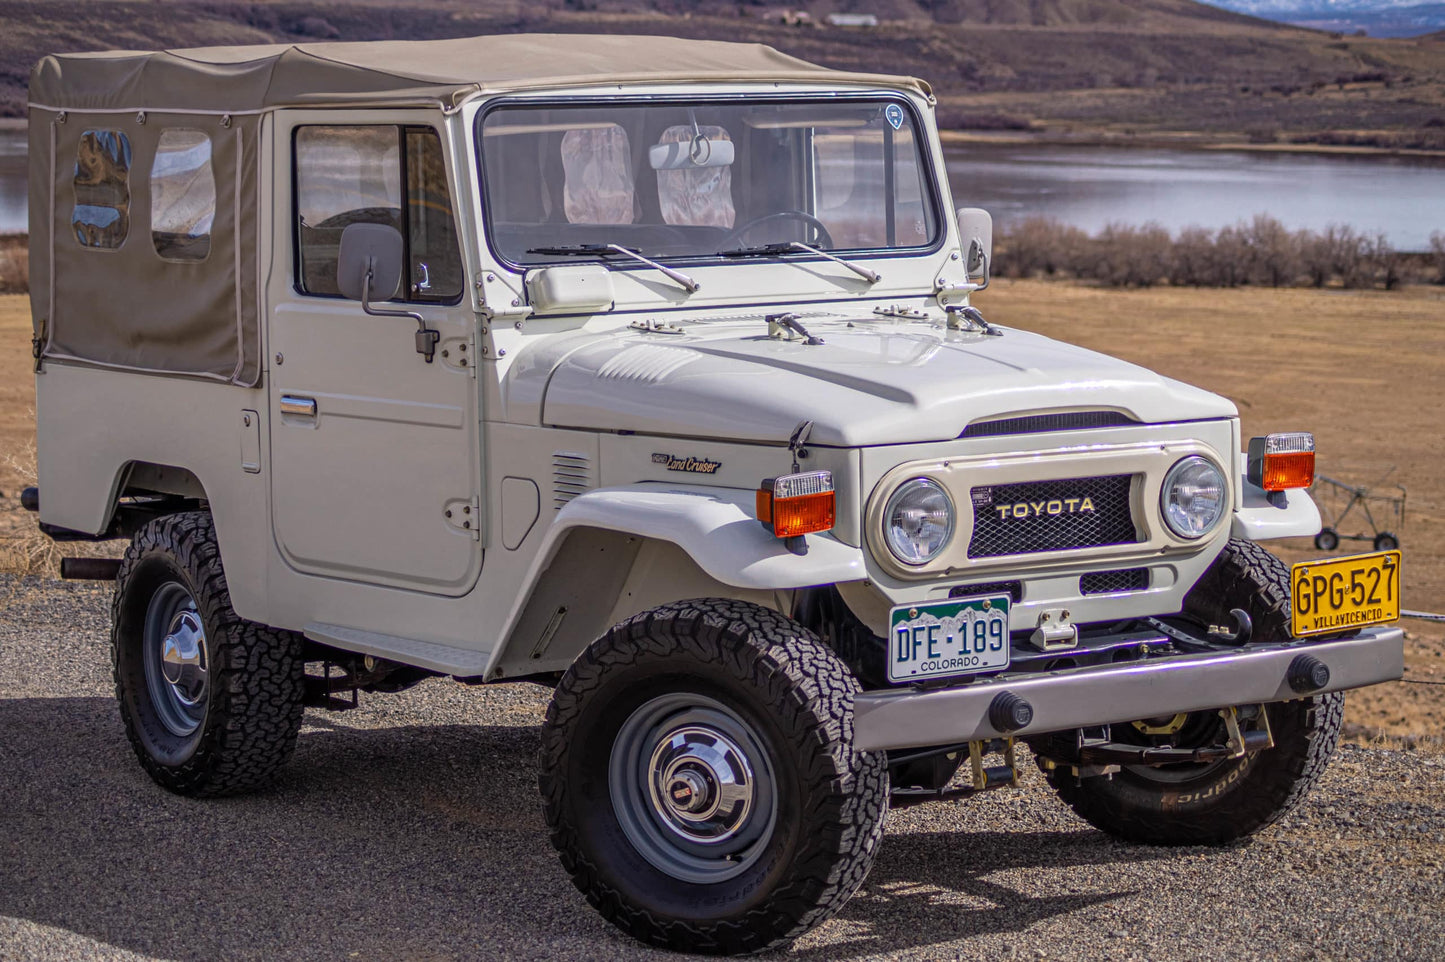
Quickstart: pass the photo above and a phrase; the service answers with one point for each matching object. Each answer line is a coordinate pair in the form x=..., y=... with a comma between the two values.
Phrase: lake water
x=1092, y=186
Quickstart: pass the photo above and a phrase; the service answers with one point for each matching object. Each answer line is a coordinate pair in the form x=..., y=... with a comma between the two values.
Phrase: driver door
x=374, y=451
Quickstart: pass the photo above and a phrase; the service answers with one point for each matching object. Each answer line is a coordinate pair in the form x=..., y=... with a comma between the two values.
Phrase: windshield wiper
x=605, y=250
x=791, y=247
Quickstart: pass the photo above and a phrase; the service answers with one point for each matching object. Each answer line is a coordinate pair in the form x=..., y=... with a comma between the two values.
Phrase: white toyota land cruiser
x=646, y=369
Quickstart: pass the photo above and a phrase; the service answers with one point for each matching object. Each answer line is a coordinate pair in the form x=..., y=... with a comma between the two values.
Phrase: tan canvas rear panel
x=124, y=299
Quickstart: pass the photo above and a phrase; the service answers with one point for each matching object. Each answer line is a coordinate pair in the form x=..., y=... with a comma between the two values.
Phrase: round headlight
x=1194, y=497
x=918, y=521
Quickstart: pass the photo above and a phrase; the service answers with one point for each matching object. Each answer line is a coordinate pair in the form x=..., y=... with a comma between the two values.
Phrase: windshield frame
x=881, y=95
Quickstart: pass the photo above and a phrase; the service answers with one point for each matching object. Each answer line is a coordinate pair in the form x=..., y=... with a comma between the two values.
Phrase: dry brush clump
x=14, y=264
x=1261, y=252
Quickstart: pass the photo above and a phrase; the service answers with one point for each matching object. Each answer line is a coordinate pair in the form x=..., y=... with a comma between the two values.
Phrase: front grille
x=1039, y=423
x=1014, y=589
x=1112, y=582
x=1035, y=516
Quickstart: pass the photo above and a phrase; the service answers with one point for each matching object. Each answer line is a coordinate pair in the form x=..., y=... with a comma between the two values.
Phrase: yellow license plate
x=1344, y=593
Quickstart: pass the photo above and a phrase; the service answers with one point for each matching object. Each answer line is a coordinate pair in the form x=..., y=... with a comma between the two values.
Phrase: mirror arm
x=426, y=337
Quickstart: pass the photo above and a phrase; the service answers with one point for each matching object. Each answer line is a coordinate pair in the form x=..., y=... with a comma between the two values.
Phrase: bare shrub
x=1193, y=262
x=1231, y=257
x=1383, y=264
x=1128, y=256
x=1437, y=255
x=1274, y=252
x=1039, y=245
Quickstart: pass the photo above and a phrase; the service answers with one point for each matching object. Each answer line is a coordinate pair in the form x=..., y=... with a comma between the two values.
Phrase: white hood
x=871, y=382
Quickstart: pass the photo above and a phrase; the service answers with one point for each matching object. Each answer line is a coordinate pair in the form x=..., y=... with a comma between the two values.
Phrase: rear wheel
x=1220, y=801
x=699, y=779
x=211, y=702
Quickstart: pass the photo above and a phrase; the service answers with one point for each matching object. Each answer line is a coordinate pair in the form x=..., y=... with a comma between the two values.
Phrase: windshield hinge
x=37, y=345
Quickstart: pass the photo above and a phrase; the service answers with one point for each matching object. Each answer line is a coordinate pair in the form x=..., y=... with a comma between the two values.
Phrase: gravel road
x=410, y=829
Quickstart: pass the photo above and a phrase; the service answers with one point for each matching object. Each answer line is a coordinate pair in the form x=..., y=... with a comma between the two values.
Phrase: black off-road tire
x=253, y=699
x=1223, y=801
x=795, y=694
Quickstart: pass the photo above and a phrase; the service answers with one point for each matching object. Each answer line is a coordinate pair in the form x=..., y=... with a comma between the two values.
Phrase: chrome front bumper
x=1080, y=697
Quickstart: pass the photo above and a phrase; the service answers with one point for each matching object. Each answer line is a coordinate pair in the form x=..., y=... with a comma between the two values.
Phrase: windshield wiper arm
x=604, y=250
x=789, y=247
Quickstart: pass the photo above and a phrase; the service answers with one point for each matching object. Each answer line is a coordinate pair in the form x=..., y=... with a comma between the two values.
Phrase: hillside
x=1096, y=68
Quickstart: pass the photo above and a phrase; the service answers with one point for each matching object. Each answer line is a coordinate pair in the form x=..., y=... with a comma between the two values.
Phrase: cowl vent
x=1040, y=423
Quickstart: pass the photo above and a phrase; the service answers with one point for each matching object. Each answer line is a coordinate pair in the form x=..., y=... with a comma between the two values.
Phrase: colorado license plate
x=959, y=636
x=1344, y=593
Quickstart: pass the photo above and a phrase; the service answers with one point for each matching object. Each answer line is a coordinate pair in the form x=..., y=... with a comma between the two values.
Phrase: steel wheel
x=693, y=788
x=174, y=653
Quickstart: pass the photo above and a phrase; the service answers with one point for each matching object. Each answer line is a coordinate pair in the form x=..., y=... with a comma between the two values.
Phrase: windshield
x=697, y=178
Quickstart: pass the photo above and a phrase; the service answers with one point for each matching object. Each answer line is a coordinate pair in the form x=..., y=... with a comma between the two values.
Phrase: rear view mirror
x=368, y=267
x=685, y=154
x=373, y=251
x=975, y=233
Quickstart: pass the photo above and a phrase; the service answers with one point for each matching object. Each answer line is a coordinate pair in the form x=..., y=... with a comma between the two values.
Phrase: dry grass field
x=1363, y=370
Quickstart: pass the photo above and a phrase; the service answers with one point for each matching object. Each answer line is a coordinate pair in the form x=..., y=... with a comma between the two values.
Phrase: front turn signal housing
x=797, y=504
x=1278, y=462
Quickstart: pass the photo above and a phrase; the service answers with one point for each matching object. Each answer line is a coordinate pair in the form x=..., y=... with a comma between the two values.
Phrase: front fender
x=614, y=551
x=716, y=527
x=1256, y=519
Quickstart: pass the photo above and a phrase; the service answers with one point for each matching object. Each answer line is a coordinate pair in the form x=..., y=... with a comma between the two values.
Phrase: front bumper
x=1081, y=697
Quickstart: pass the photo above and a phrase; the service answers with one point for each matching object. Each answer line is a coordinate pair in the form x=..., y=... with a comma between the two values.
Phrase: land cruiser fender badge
x=690, y=465
x=894, y=115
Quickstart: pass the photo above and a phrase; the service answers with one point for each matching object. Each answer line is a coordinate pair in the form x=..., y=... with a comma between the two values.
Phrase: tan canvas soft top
x=251, y=78
x=124, y=304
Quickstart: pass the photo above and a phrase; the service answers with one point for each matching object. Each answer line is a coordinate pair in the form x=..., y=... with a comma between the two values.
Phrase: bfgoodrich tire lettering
x=230, y=732
x=1231, y=799
x=764, y=685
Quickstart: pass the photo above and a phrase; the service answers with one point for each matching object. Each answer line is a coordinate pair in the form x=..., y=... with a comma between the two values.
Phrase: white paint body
x=440, y=514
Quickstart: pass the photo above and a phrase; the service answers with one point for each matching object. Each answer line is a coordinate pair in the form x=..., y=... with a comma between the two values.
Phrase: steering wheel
x=824, y=239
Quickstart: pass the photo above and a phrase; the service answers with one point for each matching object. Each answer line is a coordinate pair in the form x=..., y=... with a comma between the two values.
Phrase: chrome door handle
x=302, y=407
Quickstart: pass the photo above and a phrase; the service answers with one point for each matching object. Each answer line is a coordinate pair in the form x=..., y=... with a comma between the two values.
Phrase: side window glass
x=434, y=258
x=696, y=196
x=377, y=175
x=344, y=175
x=101, y=218
x=183, y=195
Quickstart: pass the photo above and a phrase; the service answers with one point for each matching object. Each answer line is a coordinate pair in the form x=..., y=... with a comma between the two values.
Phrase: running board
x=443, y=659
x=1035, y=704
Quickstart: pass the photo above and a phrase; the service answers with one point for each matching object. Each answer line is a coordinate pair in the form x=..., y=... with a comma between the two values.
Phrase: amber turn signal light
x=1278, y=462
x=797, y=504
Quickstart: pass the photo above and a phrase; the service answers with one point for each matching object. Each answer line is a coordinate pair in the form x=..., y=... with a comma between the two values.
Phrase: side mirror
x=975, y=232
x=369, y=266
x=370, y=252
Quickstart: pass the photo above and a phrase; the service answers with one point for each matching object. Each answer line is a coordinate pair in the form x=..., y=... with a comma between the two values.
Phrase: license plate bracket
x=944, y=639
x=1339, y=594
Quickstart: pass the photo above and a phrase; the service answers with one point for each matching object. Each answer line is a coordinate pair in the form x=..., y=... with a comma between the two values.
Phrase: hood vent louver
x=1040, y=423
x=571, y=476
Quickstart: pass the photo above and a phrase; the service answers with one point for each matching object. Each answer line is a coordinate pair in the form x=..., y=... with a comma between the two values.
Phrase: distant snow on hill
x=1378, y=18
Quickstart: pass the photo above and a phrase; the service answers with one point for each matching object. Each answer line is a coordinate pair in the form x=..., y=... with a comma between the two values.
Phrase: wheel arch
x=614, y=552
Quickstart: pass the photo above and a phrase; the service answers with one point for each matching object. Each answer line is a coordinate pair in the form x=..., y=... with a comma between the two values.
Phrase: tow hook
x=1243, y=629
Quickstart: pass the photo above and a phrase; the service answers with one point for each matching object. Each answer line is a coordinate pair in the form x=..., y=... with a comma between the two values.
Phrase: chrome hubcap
x=702, y=784
x=174, y=655
x=692, y=787
x=183, y=656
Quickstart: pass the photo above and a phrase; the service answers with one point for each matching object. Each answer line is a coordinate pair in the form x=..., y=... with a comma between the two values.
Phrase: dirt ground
x=1362, y=370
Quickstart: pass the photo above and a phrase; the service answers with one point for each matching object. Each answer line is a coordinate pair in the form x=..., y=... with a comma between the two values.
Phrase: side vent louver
x=571, y=476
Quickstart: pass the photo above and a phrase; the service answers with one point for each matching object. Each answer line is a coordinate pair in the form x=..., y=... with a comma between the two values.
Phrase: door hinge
x=465, y=515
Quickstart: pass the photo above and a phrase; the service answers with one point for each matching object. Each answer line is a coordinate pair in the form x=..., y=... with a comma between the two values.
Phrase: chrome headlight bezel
x=1181, y=527
x=914, y=487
